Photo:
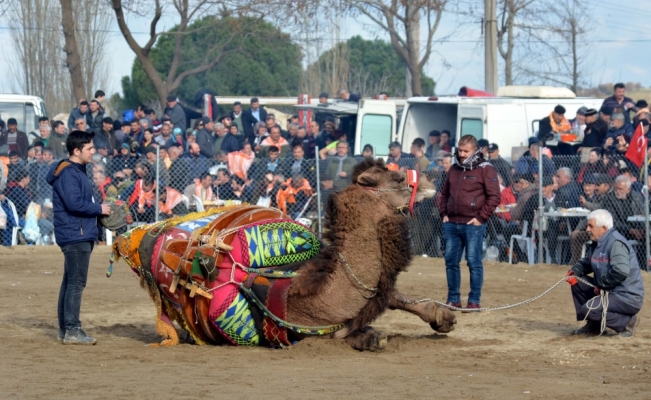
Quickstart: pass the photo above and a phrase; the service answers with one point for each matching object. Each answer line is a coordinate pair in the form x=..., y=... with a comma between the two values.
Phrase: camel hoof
x=367, y=339
x=445, y=321
x=165, y=343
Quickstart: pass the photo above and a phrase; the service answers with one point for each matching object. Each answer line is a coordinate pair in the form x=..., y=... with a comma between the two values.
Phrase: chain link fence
x=545, y=198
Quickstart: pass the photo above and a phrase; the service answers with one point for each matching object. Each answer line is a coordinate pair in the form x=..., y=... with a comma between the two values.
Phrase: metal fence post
x=157, y=189
x=318, y=191
x=541, y=207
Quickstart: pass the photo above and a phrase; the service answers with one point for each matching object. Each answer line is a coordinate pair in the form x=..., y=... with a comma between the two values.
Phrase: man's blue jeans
x=457, y=238
x=77, y=258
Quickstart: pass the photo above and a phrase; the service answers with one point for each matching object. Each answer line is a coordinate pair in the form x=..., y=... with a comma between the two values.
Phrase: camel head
x=396, y=188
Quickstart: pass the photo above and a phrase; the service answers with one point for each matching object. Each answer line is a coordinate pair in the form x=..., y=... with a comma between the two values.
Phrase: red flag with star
x=637, y=148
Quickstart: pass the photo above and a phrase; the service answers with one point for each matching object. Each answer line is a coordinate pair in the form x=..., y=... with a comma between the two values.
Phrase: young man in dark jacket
x=469, y=197
x=76, y=230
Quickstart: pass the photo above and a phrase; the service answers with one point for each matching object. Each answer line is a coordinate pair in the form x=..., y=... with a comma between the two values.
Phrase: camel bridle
x=413, y=177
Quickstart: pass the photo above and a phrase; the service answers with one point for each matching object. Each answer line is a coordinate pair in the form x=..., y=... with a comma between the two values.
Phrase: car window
x=13, y=110
x=472, y=126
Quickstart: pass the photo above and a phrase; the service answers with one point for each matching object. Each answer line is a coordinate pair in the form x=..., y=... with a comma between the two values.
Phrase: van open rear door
x=376, y=125
x=471, y=121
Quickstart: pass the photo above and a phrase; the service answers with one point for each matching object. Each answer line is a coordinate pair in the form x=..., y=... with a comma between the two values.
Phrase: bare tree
x=93, y=18
x=402, y=21
x=71, y=48
x=186, y=12
x=567, y=27
x=510, y=12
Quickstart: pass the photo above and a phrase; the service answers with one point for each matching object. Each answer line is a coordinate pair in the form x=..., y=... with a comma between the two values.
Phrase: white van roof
x=539, y=92
x=17, y=97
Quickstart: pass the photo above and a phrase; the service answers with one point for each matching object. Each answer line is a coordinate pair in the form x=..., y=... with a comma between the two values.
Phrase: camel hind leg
x=165, y=326
x=440, y=319
x=367, y=339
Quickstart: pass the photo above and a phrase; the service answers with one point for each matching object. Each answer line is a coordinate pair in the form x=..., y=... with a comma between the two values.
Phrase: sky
x=619, y=43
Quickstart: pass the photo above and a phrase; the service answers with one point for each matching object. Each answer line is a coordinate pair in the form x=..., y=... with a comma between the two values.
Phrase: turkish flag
x=637, y=148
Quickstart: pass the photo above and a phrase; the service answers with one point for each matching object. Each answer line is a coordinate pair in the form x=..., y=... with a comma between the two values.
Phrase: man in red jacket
x=469, y=197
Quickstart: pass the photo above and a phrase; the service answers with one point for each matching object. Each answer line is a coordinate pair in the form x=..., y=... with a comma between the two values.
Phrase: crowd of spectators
x=249, y=155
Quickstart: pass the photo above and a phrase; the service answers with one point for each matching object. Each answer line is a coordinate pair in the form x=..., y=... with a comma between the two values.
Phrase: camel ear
x=367, y=179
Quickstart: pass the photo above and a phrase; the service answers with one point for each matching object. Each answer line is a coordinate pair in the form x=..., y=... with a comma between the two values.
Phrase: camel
x=218, y=290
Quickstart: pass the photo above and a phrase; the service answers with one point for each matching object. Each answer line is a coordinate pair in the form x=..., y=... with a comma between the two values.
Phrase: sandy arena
x=523, y=353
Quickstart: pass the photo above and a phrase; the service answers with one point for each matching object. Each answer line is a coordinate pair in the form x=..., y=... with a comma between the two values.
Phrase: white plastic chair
x=523, y=239
x=186, y=201
x=197, y=203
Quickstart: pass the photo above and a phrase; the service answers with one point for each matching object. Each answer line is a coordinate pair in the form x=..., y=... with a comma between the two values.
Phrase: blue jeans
x=457, y=238
x=77, y=258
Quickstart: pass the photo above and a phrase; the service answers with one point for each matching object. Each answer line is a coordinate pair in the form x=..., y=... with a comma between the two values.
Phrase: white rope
x=604, y=302
x=508, y=306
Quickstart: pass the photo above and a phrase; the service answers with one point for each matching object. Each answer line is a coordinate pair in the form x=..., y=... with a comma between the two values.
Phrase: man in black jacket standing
x=595, y=130
x=252, y=116
x=76, y=230
x=204, y=137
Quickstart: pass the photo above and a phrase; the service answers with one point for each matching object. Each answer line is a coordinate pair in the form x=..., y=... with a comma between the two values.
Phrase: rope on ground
x=508, y=306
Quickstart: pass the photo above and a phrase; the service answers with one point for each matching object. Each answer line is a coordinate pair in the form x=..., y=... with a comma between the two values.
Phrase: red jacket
x=470, y=191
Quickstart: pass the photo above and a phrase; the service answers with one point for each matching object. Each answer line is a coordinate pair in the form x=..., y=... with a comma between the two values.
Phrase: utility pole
x=490, y=46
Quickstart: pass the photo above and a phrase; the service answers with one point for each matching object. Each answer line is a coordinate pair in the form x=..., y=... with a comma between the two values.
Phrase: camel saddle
x=226, y=273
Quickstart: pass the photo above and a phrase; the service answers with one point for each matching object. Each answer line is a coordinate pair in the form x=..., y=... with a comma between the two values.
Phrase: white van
x=26, y=109
x=508, y=120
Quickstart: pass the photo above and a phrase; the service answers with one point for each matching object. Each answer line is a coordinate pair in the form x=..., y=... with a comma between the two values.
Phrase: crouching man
x=614, y=265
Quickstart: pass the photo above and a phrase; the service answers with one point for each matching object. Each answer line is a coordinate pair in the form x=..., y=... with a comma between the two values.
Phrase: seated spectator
x=445, y=142
x=297, y=164
x=525, y=192
x=261, y=133
x=617, y=128
x=231, y=142
x=568, y=191
x=202, y=188
x=179, y=171
x=242, y=190
x=239, y=162
x=222, y=186
x=554, y=124
x=197, y=163
x=589, y=189
x=367, y=151
x=121, y=183
x=146, y=203
x=507, y=198
x=339, y=169
x=123, y=161
x=274, y=139
x=308, y=142
x=636, y=186
x=418, y=153
x=622, y=204
x=268, y=188
x=611, y=166
x=397, y=156
x=147, y=140
x=528, y=163
x=16, y=191
x=594, y=166
x=15, y=164
x=271, y=163
x=294, y=195
x=171, y=203
x=104, y=186
x=434, y=147
x=331, y=146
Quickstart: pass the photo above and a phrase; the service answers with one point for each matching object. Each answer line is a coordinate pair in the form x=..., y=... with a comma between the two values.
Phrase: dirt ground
x=521, y=353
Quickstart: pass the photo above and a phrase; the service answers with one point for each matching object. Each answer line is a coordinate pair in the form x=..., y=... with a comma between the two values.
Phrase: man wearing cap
x=618, y=127
x=105, y=137
x=15, y=139
x=603, y=186
x=619, y=99
x=433, y=147
x=554, y=123
x=595, y=130
x=528, y=163
x=175, y=112
x=204, y=137
x=613, y=262
x=605, y=113
x=483, y=147
x=502, y=166
x=526, y=189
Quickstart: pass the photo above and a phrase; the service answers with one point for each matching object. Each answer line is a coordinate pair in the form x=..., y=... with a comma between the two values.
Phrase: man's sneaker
x=456, y=305
x=590, y=328
x=61, y=335
x=629, y=331
x=470, y=307
x=78, y=336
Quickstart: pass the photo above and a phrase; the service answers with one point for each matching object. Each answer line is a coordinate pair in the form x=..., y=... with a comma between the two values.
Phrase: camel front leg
x=366, y=339
x=440, y=319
